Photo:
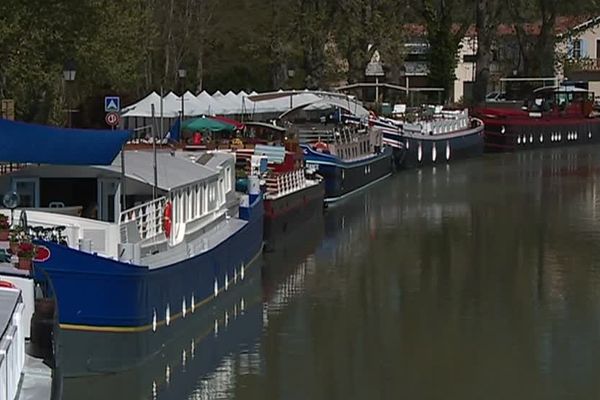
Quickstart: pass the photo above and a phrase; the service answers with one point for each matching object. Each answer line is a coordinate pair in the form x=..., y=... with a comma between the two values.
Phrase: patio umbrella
x=207, y=124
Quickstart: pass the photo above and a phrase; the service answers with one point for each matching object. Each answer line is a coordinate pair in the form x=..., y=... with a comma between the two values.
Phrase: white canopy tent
x=143, y=108
x=209, y=104
x=260, y=106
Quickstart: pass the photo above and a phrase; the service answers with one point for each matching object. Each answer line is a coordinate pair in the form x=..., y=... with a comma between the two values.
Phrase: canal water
x=478, y=280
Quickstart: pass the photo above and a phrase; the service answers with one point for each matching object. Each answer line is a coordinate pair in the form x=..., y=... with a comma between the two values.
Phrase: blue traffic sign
x=112, y=104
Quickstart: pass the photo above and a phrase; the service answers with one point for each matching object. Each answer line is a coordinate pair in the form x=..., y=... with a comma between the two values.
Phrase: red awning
x=232, y=122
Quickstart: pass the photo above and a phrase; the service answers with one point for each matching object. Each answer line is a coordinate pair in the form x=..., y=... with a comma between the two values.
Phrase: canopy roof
x=39, y=144
x=272, y=103
x=207, y=124
x=143, y=108
x=172, y=172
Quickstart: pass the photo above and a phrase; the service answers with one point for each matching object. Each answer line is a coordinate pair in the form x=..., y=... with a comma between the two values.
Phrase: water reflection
x=477, y=280
x=210, y=350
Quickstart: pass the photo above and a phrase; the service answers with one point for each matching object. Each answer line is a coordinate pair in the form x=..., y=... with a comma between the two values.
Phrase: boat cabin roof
x=172, y=172
x=209, y=159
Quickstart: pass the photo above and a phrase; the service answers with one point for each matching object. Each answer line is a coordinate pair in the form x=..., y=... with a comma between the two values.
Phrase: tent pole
x=123, y=191
x=162, y=127
x=154, y=151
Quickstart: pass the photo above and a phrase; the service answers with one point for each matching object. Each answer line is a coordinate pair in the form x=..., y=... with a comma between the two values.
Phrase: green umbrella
x=207, y=124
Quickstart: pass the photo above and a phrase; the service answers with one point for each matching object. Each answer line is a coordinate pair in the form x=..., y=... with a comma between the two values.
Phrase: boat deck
x=205, y=242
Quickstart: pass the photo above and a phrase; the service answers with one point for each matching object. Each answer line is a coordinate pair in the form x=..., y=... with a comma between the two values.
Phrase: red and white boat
x=293, y=191
x=553, y=116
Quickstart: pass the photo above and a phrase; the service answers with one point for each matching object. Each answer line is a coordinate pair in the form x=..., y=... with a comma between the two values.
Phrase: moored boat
x=182, y=238
x=293, y=193
x=431, y=136
x=348, y=157
x=554, y=116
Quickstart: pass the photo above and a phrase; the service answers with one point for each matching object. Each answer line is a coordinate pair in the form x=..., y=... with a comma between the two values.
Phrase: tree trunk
x=200, y=66
x=484, y=54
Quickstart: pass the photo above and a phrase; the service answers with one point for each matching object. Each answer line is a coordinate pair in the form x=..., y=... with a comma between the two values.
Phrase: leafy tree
x=444, y=35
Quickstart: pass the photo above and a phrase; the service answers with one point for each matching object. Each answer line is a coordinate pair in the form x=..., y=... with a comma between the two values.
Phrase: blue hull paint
x=98, y=292
x=342, y=177
x=231, y=323
x=460, y=147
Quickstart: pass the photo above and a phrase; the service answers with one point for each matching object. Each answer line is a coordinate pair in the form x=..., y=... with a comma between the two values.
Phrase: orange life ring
x=320, y=146
x=166, y=220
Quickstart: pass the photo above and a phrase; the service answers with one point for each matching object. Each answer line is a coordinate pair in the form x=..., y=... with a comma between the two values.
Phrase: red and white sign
x=42, y=254
x=112, y=119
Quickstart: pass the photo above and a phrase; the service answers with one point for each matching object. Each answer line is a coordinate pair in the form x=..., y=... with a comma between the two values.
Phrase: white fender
x=433, y=153
x=448, y=150
x=420, y=153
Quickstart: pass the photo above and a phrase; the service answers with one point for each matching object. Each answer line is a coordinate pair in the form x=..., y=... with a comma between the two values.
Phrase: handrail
x=283, y=183
x=147, y=216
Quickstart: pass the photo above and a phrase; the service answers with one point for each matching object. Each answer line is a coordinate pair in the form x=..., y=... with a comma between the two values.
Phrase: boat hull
x=440, y=149
x=506, y=135
x=98, y=294
x=284, y=213
x=206, y=336
x=344, y=178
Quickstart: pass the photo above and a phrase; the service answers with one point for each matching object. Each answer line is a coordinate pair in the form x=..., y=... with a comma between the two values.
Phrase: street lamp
x=181, y=74
x=69, y=72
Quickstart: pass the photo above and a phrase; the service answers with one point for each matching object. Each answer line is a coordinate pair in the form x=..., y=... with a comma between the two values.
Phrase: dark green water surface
x=479, y=280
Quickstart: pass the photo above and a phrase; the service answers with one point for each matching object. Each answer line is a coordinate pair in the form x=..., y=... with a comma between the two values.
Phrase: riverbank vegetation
x=131, y=47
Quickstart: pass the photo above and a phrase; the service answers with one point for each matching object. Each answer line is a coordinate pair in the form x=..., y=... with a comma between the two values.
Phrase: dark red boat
x=552, y=117
x=293, y=192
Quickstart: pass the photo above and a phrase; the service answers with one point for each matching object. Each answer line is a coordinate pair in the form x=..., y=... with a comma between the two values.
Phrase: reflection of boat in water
x=288, y=263
x=202, y=356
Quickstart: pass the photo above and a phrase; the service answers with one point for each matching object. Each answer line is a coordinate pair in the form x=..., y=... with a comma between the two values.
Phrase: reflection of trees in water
x=469, y=281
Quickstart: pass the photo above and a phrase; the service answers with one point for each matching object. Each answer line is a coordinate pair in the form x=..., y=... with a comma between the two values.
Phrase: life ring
x=166, y=220
x=320, y=146
x=7, y=284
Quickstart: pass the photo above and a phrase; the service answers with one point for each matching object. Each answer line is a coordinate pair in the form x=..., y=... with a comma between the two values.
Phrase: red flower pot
x=24, y=263
x=4, y=235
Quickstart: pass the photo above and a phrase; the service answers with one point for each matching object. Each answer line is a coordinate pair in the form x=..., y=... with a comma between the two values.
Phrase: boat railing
x=286, y=182
x=146, y=220
x=310, y=136
x=7, y=168
x=12, y=350
x=81, y=233
x=437, y=127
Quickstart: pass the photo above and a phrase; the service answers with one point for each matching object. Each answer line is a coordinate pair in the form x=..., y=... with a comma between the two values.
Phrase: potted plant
x=25, y=252
x=16, y=235
x=4, y=227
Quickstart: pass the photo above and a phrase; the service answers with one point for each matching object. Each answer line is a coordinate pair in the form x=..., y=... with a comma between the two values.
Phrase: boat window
x=196, y=211
x=28, y=190
x=175, y=206
x=228, y=179
x=190, y=203
x=221, y=191
x=183, y=206
x=204, y=199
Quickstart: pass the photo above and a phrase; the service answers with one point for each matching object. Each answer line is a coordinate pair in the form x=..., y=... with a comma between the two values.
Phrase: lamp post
x=181, y=74
x=69, y=72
